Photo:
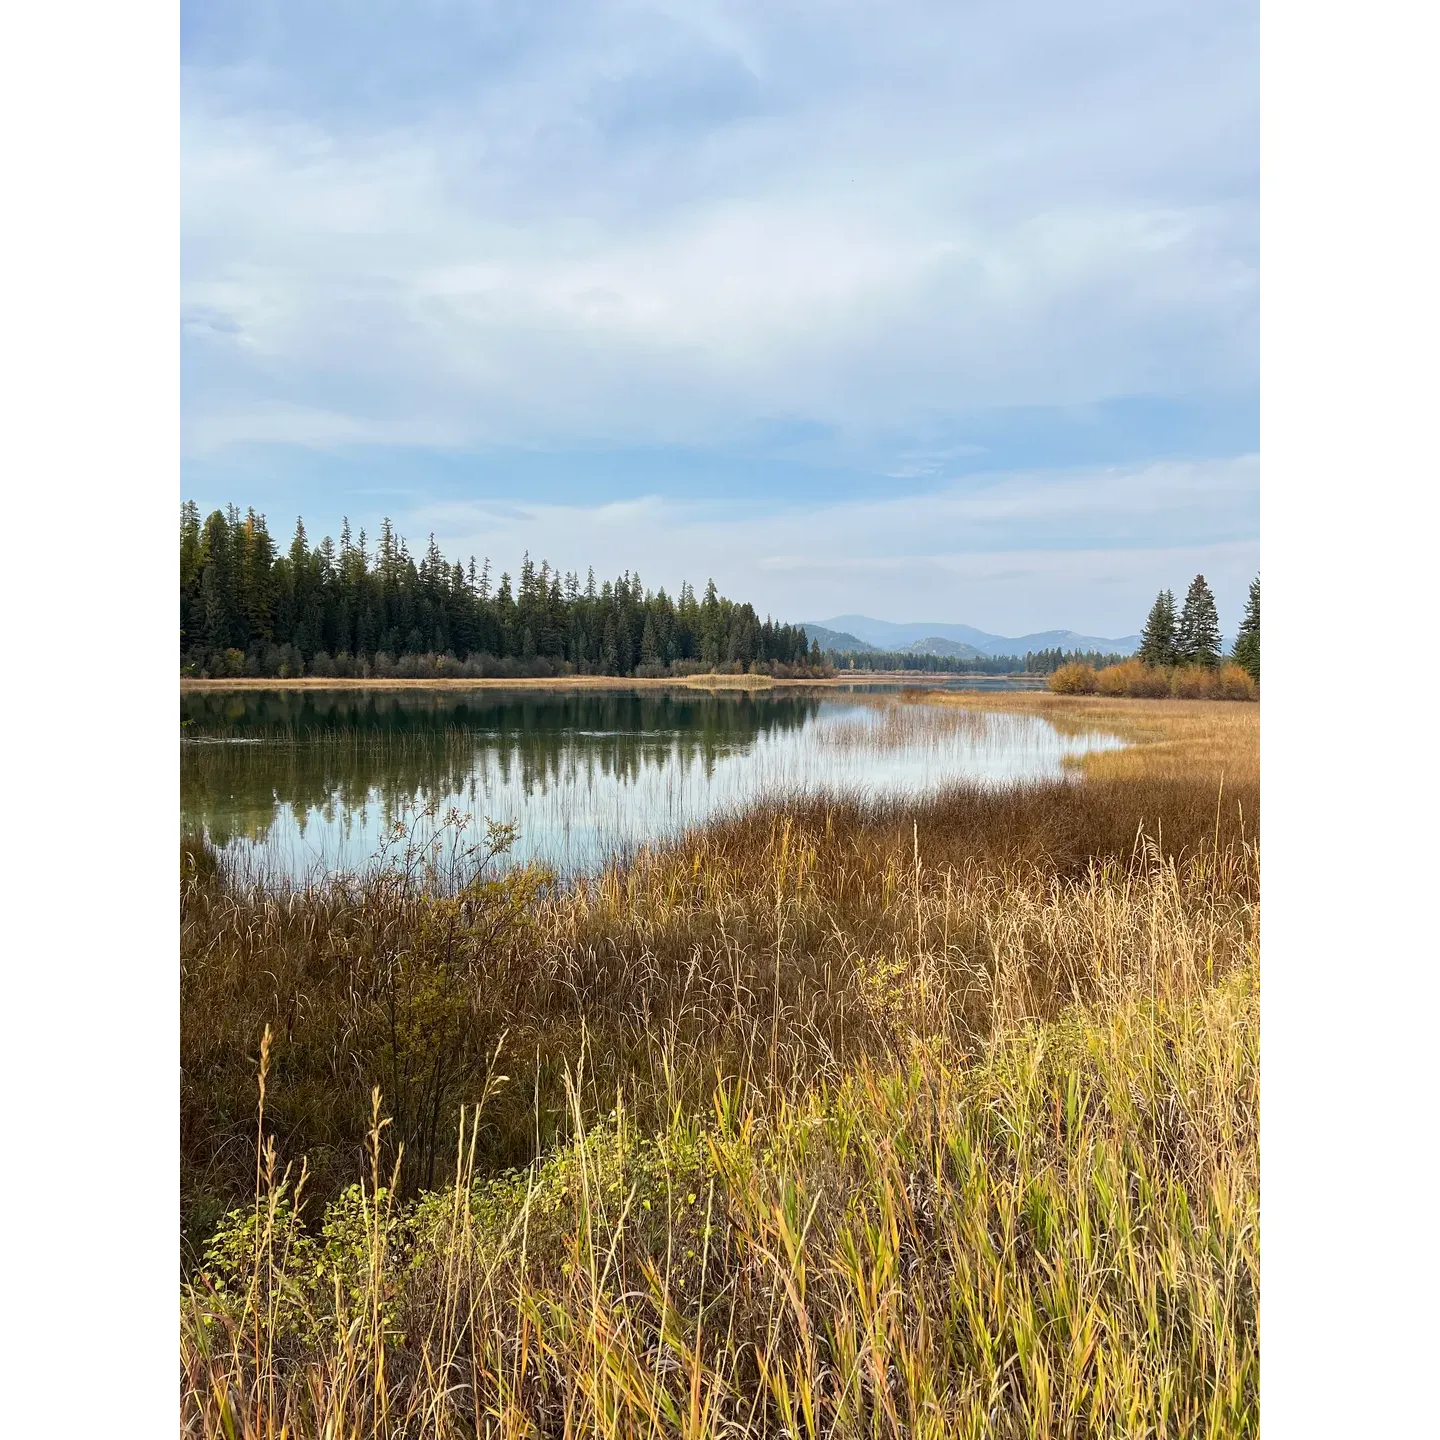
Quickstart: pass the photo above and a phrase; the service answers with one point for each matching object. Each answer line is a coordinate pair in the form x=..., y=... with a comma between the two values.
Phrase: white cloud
x=280, y=423
x=1014, y=554
x=851, y=239
x=881, y=217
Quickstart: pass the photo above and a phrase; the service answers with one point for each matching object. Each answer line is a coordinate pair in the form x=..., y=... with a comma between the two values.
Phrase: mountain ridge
x=836, y=639
x=890, y=635
x=946, y=649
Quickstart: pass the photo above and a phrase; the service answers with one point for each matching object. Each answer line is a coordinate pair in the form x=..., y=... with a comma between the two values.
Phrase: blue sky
x=925, y=311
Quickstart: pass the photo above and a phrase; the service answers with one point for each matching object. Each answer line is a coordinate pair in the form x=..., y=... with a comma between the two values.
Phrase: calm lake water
x=305, y=781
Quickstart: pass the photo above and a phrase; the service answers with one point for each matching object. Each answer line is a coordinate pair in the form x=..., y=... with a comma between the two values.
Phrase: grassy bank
x=845, y=1119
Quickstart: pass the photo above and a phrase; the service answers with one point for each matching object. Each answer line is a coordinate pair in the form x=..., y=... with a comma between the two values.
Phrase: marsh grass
x=840, y=1118
x=1174, y=751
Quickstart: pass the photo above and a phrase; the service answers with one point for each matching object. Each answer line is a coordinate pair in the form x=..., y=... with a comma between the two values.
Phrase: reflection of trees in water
x=296, y=713
x=340, y=754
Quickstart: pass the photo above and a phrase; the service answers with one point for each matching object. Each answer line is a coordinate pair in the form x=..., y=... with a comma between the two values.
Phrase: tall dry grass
x=1175, y=754
x=837, y=1119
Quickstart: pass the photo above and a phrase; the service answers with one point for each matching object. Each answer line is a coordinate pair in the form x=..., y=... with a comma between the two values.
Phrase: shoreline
x=602, y=682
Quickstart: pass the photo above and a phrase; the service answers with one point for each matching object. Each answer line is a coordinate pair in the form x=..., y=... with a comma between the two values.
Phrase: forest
x=1033, y=662
x=249, y=608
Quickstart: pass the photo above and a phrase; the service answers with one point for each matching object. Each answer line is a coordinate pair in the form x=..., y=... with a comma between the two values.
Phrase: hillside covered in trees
x=249, y=608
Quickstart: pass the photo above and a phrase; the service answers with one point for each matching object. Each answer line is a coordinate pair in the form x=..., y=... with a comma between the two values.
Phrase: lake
x=302, y=782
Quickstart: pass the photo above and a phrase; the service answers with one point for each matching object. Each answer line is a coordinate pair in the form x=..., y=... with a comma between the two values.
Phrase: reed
x=841, y=1118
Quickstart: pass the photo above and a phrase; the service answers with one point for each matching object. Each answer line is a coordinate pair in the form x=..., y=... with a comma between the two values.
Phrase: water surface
x=304, y=781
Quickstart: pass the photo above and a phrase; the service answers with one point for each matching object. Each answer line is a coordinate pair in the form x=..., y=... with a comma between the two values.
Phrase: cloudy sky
x=927, y=311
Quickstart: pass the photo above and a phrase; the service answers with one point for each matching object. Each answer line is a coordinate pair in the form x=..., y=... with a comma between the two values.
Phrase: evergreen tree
x=285, y=611
x=1247, y=641
x=219, y=586
x=1158, y=642
x=189, y=545
x=711, y=618
x=192, y=619
x=649, y=642
x=1198, y=637
x=256, y=577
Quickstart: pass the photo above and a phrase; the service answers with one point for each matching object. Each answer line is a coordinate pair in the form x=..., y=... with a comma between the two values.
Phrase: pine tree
x=281, y=608
x=218, y=586
x=433, y=567
x=1247, y=641
x=649, y=642
x=711, y=625
x=189, y=545
x=1157, y=643
x=192, y=620
x=1198, y=638
x=387, y=557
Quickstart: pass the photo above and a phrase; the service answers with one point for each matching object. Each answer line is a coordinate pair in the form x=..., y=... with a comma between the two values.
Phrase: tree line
x=1033, y=662
x=1193, y=636
x=1047, y=662
x=883, y=661
x=249, y=608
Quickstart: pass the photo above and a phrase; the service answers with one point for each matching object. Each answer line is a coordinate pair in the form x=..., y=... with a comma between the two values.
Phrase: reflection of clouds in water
x=593, y=794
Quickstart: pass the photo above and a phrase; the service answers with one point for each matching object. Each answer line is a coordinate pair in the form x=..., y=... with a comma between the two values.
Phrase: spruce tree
x=281, y=607
x=1157, y=643
x=649, y=642
x=1198, y=638
x=1247, y=641
x=192, y=620
x=256, y=582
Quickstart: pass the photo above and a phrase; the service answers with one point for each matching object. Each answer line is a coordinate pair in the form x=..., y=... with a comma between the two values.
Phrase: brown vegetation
x=1138, y=680
x=852, y=1119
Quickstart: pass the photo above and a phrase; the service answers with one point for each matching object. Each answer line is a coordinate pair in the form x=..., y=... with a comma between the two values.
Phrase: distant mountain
x=937, y=645
x=887, y=635
x=1069, y=640
x=835, y=639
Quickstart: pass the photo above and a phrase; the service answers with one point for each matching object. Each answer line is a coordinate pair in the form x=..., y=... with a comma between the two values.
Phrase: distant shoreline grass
x=1184, y=741
x=931, y=1118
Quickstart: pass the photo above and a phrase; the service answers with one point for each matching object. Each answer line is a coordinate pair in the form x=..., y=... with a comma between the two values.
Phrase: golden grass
x=1185, y=741
x=921, y=1119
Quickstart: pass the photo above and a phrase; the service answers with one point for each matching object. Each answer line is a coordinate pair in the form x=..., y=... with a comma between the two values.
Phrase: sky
x=922, y=311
